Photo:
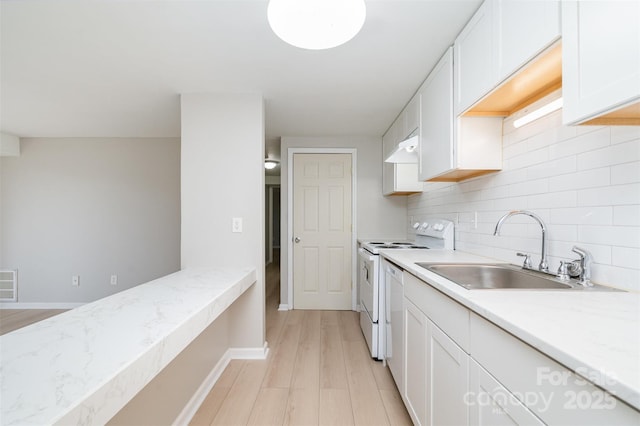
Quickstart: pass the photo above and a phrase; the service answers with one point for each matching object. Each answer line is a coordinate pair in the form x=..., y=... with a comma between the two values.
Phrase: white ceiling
x=117, y=68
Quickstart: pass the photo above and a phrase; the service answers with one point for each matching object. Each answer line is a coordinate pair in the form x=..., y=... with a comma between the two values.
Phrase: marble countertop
x=594, y=334
x=84, y=365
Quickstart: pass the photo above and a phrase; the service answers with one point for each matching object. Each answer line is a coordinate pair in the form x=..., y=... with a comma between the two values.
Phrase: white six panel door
x=322, y=202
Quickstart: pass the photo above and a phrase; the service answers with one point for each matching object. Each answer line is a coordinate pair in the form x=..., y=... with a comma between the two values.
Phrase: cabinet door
x=524, y=28
x=436, y=120
x=448, y=378
x=476, y=70
x=600, y=57
x=415, y=352
x=492, y=404
x=411, y=117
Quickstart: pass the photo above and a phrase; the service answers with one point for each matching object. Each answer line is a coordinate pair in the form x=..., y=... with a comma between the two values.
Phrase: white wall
x=583, y=181
x=222, y=178
x=89, y=207
x=377, y=216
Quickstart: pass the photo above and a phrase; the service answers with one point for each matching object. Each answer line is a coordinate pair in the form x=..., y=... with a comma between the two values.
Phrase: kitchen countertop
x=596, y=334
x=84, y=365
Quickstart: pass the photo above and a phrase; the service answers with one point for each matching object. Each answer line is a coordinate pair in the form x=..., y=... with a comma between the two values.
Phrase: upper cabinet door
x=601, y=57
x=476, y=70
x=436, y=120
x=524, y=29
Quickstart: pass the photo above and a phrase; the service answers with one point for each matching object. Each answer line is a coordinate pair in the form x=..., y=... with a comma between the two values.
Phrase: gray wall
x=377, y=216
x=89, y=207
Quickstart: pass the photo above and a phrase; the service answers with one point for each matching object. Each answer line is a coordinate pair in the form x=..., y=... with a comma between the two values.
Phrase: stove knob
x=438, y=227
x=424, y=226
x=416, y=225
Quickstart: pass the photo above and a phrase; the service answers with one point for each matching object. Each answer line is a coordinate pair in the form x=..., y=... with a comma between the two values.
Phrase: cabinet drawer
x=449, y=315
x=555, y=394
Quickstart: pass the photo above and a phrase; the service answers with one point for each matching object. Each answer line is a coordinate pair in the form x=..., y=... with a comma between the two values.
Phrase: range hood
x=406, y=152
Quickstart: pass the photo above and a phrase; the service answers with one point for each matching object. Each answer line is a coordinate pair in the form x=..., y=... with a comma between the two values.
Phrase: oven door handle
x=365, y=255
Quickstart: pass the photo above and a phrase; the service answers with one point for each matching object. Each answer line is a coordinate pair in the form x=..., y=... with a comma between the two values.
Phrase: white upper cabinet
x=411, y=117
x=436, y=120
x=476, y=66
x=601, y=61
x=454, y=148
x=499, y=40
x=523, y=30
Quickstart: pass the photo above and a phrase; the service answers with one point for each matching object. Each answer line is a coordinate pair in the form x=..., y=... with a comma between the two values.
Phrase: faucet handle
x=563, y=270
x=527, y=260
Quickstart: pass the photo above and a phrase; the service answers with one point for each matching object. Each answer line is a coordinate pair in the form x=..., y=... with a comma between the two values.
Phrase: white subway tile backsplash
x=624, y=133
x=611, y=155
x=582, y=216
x=580, y=144
x=625, y=173
x=529, y=159
x=615, y=276
x=626, y=215
x=553, y=199
x=558, y=167
x=610, y=195
x=584, y=181
x=625, y=236
x=626, y=257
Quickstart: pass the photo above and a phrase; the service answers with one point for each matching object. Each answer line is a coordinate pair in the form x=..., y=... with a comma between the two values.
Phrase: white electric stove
x=430, y=234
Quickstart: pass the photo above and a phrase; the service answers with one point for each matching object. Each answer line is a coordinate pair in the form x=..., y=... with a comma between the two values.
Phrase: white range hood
x=406, y=152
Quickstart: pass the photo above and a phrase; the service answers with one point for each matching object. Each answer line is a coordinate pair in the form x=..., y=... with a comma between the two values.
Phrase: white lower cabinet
x=415, y=391
x=461, y=369
x=448, y=380
x=491, y=404
x=436, y=367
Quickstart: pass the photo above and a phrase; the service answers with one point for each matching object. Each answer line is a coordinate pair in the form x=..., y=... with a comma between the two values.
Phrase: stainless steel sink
x=484, y=276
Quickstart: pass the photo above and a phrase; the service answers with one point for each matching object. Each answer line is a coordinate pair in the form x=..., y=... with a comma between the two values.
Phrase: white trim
x=249, y=353
x=354, y=233
x=191, y=408
x=205, y=387
x=284, y=307
x=54, y=305
x=270, y=225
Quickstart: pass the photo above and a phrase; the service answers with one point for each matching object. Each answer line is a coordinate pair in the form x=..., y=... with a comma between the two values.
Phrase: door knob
x=297, y=239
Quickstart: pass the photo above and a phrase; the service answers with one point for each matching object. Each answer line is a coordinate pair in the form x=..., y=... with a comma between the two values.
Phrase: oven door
x=368, y=283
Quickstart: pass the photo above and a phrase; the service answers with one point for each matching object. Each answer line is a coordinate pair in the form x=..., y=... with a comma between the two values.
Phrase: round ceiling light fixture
x=316, y=24
x=270, y=164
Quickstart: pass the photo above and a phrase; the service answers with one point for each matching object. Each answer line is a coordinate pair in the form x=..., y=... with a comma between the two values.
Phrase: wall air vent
x=8, y=285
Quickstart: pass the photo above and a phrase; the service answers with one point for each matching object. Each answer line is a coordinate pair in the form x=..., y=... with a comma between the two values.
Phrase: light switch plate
x=236, y=224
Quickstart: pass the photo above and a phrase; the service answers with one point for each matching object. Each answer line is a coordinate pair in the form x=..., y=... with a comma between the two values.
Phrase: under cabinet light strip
x=538, y=113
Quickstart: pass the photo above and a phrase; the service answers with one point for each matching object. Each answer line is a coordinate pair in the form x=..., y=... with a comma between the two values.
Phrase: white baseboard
x=203, y=390
x=283, y=307
x=205, y=387
x=249, y=353
x=19, y=305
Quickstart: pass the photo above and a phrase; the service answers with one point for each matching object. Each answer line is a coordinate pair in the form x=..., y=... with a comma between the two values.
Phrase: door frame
x=354, y=233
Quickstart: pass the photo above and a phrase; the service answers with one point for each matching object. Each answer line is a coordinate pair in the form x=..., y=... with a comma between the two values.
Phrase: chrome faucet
x=543, y=266
x=581, y=268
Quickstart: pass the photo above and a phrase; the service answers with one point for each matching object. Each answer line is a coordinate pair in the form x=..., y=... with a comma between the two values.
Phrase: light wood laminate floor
x=12, y=319
x=318, y=372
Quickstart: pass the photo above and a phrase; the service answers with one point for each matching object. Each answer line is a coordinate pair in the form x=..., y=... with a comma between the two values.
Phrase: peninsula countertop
x=596, y=334
x=84, y=365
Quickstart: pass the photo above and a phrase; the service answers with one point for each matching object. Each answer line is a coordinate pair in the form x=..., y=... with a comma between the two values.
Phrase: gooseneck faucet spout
x=543, y=266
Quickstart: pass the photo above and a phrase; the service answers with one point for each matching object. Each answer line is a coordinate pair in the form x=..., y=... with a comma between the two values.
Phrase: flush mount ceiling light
x=316, y=24
x=270, y=164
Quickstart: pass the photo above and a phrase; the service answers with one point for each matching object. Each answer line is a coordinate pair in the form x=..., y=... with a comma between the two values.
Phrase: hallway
x=318, y=372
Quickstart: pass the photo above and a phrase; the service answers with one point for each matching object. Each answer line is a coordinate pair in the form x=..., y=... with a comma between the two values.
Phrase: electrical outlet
x=75, y=280
x=236, y=224
x=114, y=279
